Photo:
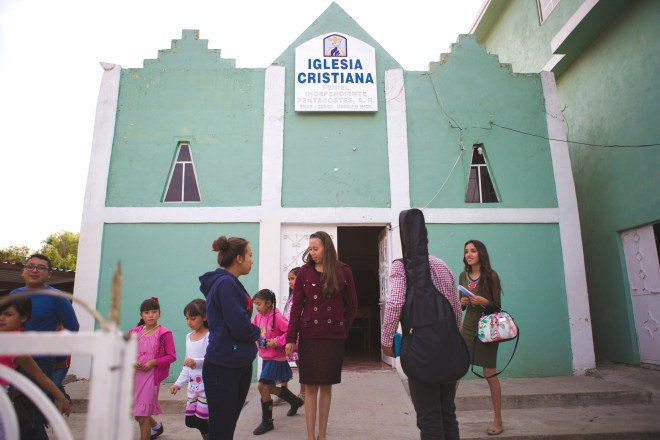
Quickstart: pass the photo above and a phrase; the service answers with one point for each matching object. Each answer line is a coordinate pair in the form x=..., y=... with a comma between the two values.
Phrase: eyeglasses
x=39, y=268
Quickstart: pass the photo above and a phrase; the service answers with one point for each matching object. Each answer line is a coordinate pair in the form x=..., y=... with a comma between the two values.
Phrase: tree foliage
x=62, y=249
x=15, y=254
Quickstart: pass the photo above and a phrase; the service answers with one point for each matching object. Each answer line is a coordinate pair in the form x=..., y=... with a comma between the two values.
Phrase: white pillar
x=579, y=315
x=91, y=228
x=397, y=150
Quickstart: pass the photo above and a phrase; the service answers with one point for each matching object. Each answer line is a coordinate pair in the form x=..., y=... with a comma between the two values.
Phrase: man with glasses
x=47, y=312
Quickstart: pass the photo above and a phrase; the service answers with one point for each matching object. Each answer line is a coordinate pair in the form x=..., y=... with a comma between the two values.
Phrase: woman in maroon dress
x=322, y=312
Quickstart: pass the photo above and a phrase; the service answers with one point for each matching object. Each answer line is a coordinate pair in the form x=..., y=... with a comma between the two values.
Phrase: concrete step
x=602, y=422
x=621, y=402
x=170, y=404
x=564, y=392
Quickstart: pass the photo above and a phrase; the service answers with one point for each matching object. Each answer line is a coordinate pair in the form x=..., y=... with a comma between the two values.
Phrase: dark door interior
x=358, y=247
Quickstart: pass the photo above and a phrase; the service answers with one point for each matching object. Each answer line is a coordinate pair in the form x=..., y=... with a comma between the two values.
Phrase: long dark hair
x=267, y=295
x=229, y=248
x=486, y=277
x=295, y=272
x=196, y=307
x=147, y=305
x=329, y=278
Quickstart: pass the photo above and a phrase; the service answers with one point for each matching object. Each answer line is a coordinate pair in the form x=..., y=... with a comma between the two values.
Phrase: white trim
x=579, y=315
x=397, y=138
x=397, y=150
x=271, y=178
x=91, y=228
x=342, y=216
x=273, y=138
x=572, y=23
x=552, y=62
x=480, y=15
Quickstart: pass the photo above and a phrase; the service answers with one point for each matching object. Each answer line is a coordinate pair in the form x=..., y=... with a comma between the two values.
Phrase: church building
x=335, y=135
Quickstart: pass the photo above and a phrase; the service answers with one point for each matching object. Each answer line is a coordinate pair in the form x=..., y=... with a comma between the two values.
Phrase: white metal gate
x=644, y=277
x=295, y=240
x=384, y=263
x=109, y=412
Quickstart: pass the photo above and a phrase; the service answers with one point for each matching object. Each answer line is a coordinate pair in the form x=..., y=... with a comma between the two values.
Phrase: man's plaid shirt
x=444, y=281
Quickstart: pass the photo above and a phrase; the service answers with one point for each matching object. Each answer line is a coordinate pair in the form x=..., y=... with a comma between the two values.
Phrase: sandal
x=495, y=431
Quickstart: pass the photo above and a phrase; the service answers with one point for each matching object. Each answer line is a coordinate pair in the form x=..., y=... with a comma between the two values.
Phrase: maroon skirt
x=320, y=361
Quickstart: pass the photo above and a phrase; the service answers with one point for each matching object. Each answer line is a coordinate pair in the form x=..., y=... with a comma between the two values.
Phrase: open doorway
x=358, y=247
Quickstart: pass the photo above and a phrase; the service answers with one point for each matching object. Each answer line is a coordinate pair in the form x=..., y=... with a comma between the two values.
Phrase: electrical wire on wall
x=453, y=123
x=568, y=141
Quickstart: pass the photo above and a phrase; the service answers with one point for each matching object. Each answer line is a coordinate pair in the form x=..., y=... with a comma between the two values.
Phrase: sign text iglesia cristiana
x=335, y=73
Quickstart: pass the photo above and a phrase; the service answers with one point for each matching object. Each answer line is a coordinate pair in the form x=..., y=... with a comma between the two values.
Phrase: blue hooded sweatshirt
x=232, y=335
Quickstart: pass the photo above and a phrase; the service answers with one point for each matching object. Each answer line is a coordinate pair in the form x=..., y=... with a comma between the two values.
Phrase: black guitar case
x=432, y=348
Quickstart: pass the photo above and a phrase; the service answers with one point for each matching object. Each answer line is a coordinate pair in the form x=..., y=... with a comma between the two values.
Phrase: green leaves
x=61, y=248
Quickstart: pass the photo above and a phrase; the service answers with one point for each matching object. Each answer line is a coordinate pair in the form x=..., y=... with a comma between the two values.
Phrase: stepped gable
x=190, y=52
x=335, y=19
x=466, y=47
x=502, y=95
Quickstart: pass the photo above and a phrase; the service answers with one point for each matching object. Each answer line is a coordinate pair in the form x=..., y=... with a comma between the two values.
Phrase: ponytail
x=267, y=295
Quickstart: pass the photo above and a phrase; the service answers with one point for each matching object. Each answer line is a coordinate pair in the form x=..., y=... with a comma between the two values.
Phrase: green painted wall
x=470, y=89
x=528, y=259
x=612, y=96
x=188, y=94
x=520, y=22
x=354, y=144
x=165, y=260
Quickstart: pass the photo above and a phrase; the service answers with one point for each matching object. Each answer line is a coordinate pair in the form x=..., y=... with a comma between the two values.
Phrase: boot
x=293, y=400
x=266, y=418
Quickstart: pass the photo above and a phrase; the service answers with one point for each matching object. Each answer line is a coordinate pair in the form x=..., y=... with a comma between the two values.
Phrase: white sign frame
x=335, y=72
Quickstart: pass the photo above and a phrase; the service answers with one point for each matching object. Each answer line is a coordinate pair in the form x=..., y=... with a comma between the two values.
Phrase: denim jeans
x=58, y=377
x=226, y=390
x=435, y=408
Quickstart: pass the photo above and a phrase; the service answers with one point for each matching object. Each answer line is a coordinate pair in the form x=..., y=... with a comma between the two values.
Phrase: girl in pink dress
x=156, y=352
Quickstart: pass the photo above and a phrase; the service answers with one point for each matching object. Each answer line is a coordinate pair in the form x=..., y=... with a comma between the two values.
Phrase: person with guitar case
x=434, y=356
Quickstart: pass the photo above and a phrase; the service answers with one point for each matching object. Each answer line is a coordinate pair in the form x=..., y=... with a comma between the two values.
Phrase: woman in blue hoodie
x=227, y=368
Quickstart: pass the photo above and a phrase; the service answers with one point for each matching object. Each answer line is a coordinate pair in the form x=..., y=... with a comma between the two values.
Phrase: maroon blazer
x=313, y=315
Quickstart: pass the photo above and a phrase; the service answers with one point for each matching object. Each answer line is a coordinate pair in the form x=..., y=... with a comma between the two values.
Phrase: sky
x=50, y=76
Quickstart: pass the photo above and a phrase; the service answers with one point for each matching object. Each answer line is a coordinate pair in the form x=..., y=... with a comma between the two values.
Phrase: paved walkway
x=365, y=405
x=374, y=405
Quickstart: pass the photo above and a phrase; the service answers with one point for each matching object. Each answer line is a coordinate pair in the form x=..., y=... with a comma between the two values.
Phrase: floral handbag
x=497, y=327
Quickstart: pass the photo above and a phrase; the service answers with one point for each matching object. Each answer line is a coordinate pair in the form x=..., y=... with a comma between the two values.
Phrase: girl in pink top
x=275, y=368
x=156, y=352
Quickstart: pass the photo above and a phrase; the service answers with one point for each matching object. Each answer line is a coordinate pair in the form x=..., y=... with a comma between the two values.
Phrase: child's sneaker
x=156, y=432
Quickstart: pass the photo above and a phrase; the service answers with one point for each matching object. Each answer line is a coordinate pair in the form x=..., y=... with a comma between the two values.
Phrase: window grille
x=182, y=184
x=480, y=186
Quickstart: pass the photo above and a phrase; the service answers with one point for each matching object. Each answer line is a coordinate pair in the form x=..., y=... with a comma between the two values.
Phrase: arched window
x=480, y=187
x=182, y=184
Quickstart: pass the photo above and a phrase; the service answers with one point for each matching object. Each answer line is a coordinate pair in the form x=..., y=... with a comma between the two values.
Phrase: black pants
x=435, y=408
x=197, y=423
x=226, y=390
x=34, y=426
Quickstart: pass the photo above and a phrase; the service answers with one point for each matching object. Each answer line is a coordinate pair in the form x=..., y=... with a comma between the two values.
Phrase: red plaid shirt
x=444, y=281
